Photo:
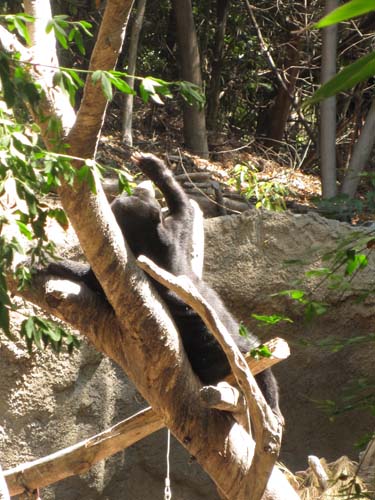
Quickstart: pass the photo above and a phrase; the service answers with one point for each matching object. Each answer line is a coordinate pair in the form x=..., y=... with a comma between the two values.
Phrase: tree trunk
x=213, y=100
x=195, y=133
x=361, y=154
x=127, y=117
x=278, y=114
x=328, y=109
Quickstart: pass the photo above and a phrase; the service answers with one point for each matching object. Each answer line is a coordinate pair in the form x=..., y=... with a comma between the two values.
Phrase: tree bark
x=328, y=109
x=361, y=154
x=127, y=116
x=195, y=133
x=278, y=114
x=213, y=101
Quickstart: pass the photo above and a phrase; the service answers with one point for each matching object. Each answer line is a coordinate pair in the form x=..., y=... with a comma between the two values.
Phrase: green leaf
x=243, y=331
x=314, y=309
x=192, y=94
x=261, y=352
x=271, y=319
x=355, y=262
x=347, y=11
x=317, y=273
x=121, y=85
x=60, y=216
x=55, y=333
x=4, y=319
x=293, y=294
x=105, y=81
x=79, y=41
x=61, y=37
x=24, y=230
x=143, y=93
x=28, y=328
x=22, y=29
x=347, y=78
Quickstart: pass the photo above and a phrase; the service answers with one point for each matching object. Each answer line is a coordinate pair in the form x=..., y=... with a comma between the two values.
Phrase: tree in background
x=190, y=67
x=328, y=110
x=127, y=118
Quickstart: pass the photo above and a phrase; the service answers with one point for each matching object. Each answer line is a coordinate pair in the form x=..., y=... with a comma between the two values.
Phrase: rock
x=245, y=263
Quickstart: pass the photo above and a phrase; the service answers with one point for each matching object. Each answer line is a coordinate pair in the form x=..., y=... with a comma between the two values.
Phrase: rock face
x=48, y=403
x=245, y=263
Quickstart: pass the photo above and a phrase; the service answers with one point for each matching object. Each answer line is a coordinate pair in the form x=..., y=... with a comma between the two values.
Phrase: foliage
x=350, y=10
x=269, y=194
x=60, y=25
x=34, y=174
x=341, y=266
x=359, y=71
x=261, y=351
x=41, y=332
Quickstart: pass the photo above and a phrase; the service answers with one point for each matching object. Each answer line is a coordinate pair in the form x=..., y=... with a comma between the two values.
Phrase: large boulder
x=245, y=262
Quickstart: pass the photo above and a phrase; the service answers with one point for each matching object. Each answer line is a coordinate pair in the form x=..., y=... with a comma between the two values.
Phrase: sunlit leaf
x=347, y=11
x=271, y=319
x=347, y=78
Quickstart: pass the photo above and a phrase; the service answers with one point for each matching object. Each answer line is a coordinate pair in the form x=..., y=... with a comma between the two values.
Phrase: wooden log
x=222, y=396
x=4, y=491
x=78, y=458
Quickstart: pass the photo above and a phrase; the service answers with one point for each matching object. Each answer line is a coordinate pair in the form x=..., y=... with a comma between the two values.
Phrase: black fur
x=167, y=241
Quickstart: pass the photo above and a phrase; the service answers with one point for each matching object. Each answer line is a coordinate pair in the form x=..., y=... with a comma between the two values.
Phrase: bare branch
x=319, y=472
x=277, y=72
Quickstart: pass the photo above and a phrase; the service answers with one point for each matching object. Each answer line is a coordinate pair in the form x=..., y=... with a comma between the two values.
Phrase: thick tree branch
x=267, y=430
x=223, y=397
x=86, y=311
x=44, y=65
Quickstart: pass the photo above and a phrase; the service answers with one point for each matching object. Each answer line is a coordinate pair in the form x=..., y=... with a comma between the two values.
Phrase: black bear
x=168, y=241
